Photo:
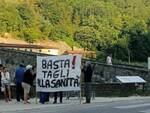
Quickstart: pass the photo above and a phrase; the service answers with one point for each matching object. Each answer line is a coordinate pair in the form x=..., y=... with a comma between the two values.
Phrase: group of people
x=87, y=72
x=24, y=81
x=24, y=77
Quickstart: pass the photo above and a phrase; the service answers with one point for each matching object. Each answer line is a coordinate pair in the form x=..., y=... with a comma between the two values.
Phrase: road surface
x=130, y=106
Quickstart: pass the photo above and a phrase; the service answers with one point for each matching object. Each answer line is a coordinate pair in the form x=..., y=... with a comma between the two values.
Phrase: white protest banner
x=58, y=73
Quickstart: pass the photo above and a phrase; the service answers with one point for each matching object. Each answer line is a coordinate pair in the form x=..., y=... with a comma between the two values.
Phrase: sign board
x=130, y=79
x=58, y=73
x=148, y=62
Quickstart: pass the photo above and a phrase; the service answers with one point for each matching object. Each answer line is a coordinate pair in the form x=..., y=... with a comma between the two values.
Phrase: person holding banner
x=88, y=71
x=44, y=97
x=58, y=74
x=55, y=96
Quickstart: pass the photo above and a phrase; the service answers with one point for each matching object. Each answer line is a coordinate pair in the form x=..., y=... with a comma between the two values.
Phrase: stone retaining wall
x=106, y=73
x=103, y=74
x=12, y=59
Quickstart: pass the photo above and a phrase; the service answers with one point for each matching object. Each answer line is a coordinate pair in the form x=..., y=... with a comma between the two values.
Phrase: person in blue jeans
x=44, y=97
x=18, y=80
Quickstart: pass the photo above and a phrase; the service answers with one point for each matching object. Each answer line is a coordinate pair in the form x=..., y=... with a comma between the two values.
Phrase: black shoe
x=54, y=102
x=87, y=102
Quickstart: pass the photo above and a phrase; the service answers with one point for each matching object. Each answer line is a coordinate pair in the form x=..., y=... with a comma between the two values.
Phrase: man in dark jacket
x=88, y=71
x=18, y=80
x=27, y=82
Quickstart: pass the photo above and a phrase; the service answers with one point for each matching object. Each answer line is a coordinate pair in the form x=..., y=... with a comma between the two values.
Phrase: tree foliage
x=121, y=27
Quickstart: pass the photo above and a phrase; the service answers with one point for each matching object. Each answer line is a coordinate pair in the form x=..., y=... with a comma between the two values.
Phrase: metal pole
x=80, y=100
x=36, y=99
x=35, y=85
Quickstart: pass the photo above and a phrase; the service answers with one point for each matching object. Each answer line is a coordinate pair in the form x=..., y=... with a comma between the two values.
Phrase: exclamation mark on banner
x=73, y=62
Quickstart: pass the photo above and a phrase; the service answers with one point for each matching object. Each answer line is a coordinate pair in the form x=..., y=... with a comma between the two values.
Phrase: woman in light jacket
x=5, y=80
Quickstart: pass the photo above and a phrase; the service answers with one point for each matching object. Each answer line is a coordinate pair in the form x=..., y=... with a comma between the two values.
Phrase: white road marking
x=133, y=106
x=146, y=111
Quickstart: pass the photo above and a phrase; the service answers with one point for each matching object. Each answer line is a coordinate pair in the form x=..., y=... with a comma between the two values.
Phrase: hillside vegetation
x=121, y=27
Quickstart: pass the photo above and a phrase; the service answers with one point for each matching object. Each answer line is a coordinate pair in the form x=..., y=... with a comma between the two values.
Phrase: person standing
x=6, y=84
x=56, y=95
x=44, y=97
x=18, y=80
x=1, y=68
x=88, y=71
x=27, y=82
x=109, y=59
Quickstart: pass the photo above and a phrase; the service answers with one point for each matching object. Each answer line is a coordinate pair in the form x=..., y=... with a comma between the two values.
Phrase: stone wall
x=106, y=73
x=12, y=58
x=102, y=73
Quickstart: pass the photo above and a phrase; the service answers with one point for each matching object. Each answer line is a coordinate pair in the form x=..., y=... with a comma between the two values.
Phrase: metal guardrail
x=94, y=61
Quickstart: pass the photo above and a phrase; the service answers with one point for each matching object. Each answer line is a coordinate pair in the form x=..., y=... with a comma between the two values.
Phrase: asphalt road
x=136, y=106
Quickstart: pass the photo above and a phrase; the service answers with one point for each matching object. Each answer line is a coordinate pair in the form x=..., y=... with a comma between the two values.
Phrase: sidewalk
x=14, y=106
